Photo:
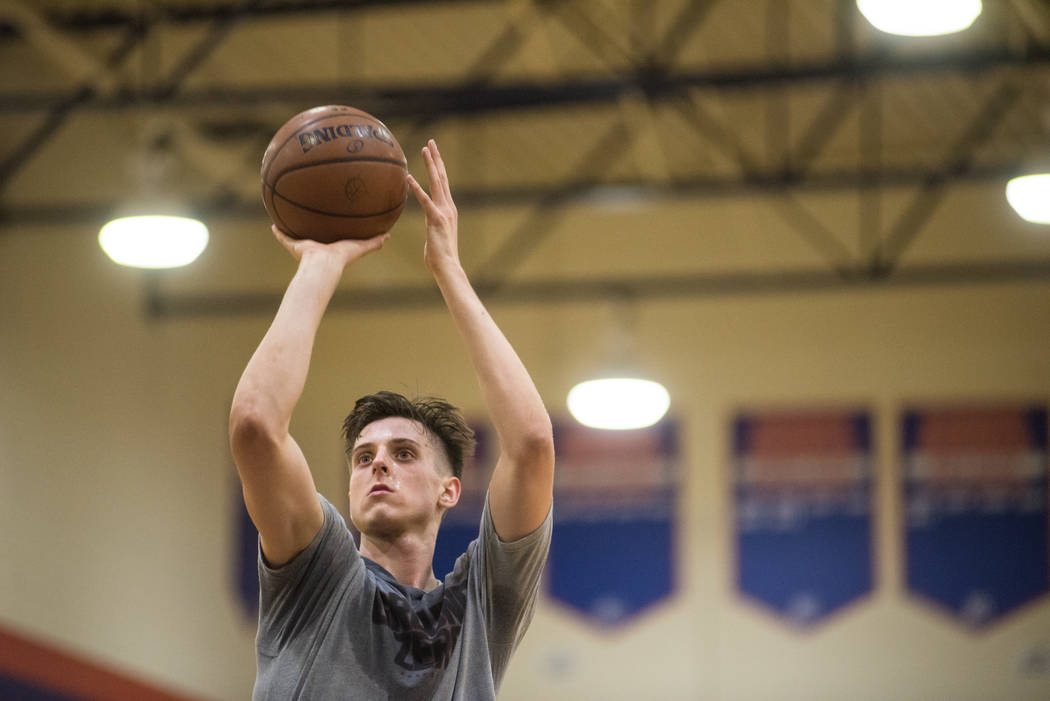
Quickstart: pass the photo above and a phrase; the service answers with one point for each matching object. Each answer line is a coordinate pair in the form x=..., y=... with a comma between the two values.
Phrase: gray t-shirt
x=335, y=625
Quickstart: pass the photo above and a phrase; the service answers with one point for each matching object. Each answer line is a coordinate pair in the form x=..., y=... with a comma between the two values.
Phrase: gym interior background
x=767, y=205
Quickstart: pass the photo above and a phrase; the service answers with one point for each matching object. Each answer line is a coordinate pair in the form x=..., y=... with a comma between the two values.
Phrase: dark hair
x=438, y=417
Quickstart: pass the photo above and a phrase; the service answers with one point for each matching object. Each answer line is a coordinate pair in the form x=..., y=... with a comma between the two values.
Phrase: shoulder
x=539, y=539
x=500, y=563
x=332, y=542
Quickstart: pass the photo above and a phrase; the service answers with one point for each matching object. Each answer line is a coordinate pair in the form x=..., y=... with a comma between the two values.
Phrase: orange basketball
x=334, y=172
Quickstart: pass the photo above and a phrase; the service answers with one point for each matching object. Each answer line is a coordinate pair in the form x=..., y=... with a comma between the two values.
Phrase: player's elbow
x=251, y=428
x=535, y=444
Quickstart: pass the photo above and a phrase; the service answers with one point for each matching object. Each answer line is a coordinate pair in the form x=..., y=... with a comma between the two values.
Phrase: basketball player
x=338, y=621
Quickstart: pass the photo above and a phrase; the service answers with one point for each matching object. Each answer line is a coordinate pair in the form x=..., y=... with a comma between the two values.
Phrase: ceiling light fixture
x=618, y=403
x=619, y=400
x=1029, y=195
x=920, y=17
x=153, y=240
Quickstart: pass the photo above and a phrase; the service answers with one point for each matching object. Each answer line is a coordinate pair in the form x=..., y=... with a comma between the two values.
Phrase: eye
x=405, y=454
x=363, y=458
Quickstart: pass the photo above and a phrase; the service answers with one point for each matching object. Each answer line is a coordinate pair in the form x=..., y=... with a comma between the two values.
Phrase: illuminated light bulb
x=920, y=17
x=618, y=403
x=153, y=241
x=1029, y=195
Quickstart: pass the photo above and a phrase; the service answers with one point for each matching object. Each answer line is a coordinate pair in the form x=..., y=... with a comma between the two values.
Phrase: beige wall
x=116, y=483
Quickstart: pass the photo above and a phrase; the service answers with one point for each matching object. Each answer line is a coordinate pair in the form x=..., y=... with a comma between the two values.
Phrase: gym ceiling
x=762, y=146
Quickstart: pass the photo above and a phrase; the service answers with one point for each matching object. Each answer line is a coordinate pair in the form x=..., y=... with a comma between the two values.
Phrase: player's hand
x=344, y=252
x=442, y=245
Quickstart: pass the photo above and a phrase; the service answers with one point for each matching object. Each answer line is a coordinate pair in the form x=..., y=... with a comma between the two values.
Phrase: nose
x=379, y=463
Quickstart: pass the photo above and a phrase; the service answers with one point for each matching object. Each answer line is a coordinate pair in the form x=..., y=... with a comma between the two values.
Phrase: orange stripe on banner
x=54, y=670
x=955, y=431
x=830, y=434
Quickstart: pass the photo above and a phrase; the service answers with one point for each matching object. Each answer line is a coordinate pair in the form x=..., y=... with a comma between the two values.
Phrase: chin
x=378, y=522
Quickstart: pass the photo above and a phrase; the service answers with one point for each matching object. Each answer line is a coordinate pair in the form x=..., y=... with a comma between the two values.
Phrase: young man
x=341, y=622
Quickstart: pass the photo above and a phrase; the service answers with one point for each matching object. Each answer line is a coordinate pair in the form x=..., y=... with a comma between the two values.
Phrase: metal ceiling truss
x=167, y=305
x=102, y=18
x=136, y=32
x=653, y=79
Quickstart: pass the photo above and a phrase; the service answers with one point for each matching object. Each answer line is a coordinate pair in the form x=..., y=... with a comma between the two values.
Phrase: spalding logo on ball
x=334, y=172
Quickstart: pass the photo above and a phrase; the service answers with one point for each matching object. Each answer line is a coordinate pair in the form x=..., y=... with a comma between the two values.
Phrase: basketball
x=334, y=172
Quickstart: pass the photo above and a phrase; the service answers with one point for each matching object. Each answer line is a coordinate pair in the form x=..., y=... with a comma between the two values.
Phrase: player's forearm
x=514, y=403
x=274, y=379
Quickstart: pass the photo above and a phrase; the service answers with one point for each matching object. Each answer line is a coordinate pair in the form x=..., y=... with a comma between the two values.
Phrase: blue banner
x=246, y=561
x=802, y=492
x=975, y=516
x=612, y=554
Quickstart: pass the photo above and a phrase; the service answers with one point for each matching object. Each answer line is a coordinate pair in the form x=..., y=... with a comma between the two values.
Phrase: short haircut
x=437, y=416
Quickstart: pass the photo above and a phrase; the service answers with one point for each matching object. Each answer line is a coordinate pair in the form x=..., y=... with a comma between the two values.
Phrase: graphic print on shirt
x=427, y=635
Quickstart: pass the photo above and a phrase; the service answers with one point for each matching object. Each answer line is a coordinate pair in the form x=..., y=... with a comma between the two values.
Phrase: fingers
x=436, y=162
x=352, y=249
x=376, y=242
x=420, y=194
x=440, y=190
x=283, y=238
x=348, y=249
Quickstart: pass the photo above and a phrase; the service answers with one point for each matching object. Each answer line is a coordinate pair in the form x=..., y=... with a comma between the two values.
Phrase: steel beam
x=63, y=108
x=479, y=75
x=539, y=223
x=93, y=20
x=582, y=291
x=467, y=97
x=582, y=192
x=960, y=159
x=60, y=110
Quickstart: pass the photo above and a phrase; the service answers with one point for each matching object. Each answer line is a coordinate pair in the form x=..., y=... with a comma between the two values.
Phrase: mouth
x=380, y=489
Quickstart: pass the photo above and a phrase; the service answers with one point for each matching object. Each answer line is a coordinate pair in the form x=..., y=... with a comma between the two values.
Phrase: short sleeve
x=512, y=578
x=293, y=595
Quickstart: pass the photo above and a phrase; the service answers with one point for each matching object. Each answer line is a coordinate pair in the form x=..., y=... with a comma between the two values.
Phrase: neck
x=408, y=558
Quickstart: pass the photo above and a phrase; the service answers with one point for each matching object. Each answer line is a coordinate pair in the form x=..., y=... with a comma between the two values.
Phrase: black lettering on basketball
x=307, y=141
x=380, y=133
x=324, y=134
x=359, y=132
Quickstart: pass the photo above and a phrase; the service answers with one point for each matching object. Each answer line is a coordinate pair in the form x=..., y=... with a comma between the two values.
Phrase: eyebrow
x=394, y=441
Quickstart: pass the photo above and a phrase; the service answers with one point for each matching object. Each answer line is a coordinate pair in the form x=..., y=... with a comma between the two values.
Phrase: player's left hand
x=442, y=245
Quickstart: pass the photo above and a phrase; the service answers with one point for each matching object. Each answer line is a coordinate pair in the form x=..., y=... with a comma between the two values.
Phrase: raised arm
x=523, y=480
x=278, y=488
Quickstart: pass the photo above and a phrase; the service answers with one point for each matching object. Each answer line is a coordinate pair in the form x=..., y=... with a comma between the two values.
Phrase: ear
x=450, y=492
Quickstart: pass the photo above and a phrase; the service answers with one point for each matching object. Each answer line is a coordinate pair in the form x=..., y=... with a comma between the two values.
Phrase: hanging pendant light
x=920, y=17
x=620, y=399
x=1029, y=195
x=153, y=240
x=153, y=229
x=618, y=403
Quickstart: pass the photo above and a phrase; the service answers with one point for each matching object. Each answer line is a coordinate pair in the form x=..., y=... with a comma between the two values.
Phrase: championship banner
x=612, y=553
x=802, y=493
x=975, y=508
x=246, y=562
x=460, y=525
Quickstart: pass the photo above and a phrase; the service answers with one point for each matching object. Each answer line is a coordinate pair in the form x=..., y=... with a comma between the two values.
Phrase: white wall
x=116, y=483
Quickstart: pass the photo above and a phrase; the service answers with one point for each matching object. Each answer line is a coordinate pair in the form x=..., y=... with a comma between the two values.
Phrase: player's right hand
x=344, y=251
